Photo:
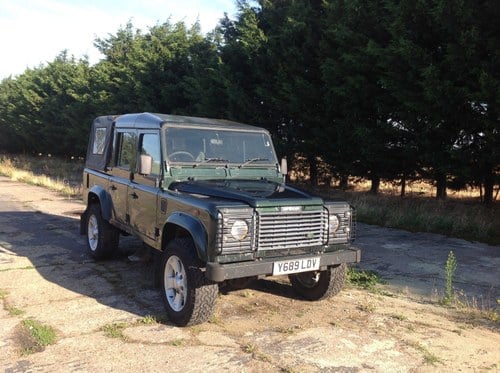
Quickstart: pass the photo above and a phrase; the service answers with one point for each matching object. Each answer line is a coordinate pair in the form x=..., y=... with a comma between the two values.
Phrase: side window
x=150, y=145
x=99, y=141
x=126, y=145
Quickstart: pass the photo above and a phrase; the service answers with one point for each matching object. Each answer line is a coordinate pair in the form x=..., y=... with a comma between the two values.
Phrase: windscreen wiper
x=251, y=161
x=208, y=160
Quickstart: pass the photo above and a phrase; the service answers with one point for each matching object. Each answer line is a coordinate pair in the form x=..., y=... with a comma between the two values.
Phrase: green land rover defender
x=209, y=195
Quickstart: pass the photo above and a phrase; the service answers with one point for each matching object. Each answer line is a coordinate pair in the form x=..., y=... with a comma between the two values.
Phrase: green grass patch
x=35, y=336
x=363, y=279
x=115, y=330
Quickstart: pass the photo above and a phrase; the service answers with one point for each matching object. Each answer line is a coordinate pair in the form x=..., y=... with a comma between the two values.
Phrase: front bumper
x=219, y=272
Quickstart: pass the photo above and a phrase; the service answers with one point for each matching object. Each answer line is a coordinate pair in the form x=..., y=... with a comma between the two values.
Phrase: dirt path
x=102, y=312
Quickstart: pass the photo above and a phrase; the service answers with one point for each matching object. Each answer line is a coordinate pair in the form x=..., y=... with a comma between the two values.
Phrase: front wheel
x=316, y=285
x=189, y=297
x=102, y=237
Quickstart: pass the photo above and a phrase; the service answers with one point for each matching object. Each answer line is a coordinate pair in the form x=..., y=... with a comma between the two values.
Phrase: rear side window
x=99, y=141
x=126, y=143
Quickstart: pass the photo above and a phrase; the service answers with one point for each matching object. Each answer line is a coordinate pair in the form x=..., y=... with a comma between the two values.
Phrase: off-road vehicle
x=209, y=195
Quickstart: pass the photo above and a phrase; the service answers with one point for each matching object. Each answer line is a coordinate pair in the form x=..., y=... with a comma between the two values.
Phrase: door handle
x=112, y=187
x=134, y=195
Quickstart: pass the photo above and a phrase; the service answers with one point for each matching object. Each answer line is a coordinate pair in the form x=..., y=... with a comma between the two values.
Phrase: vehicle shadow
x=54, y=248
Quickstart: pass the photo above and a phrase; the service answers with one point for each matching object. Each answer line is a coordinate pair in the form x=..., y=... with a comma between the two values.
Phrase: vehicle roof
x=155, y=120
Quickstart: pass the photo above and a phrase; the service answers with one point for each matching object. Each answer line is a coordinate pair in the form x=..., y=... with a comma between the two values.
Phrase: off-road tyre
x=188, y=296
x=317, y=285
x=102, y=237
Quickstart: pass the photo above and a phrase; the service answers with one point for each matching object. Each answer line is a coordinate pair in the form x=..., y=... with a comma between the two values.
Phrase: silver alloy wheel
x=308, y=279
x=93, y=232
x=175, y=281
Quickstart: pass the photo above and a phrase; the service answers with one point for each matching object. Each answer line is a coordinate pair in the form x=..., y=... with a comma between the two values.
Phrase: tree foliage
x=384, y=89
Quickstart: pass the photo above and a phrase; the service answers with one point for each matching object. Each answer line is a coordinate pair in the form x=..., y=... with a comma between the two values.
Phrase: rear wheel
x=102, y=237
x=316, y=285
x=189, y=297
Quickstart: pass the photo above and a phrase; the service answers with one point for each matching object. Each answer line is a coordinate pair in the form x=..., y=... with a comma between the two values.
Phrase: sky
x=34, y=32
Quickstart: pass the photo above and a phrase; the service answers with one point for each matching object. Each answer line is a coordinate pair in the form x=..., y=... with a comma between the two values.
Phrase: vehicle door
x=124, y=161
x=144, y=188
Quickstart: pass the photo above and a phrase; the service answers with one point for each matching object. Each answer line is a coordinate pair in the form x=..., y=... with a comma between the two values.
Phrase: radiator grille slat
x=277, y=231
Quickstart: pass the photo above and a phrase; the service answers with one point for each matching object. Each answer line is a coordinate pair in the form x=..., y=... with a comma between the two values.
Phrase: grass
x=11, y=310
x=363, y=279
x=35, y=336
x=51, y=173
x=115, y=330
x=456, y=217
x=428, y=357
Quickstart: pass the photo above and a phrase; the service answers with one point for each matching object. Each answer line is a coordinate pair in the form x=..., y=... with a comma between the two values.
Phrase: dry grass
x=458, y=216
x=51, y=173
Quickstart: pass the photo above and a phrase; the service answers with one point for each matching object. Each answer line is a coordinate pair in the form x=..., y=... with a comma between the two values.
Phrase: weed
x=399, y=317
x=249, y=348
x=428, y=356
x=148, y=320
x=115, y=330
x=367, y=307
x=450, y=267
x=13, y=311
x=363, y=278
x=36, y=336
x=177, y=342
x=247, y=294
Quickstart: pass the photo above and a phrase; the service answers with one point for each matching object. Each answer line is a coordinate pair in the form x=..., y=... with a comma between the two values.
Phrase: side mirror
x=146, y=164
x=284, y=166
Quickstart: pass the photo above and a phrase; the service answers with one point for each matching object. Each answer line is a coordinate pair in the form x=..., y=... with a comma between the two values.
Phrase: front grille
x=289, y=230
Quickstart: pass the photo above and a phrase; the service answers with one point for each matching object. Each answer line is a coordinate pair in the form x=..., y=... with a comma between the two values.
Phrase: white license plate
x=286, y=267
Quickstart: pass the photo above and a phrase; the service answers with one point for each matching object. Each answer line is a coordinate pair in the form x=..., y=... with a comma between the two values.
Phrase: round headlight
x=334, y=223
x=239, y=230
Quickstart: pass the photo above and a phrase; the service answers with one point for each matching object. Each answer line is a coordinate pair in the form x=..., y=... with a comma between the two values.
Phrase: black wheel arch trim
x=100, y=194
x=195, y=229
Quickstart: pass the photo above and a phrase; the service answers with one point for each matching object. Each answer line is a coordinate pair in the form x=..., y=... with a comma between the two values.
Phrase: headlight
x=239, y=230
x=341, y=220
x=236, y=230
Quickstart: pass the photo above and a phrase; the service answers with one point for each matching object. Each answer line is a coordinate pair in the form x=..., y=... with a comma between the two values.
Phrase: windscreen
x=205, y=146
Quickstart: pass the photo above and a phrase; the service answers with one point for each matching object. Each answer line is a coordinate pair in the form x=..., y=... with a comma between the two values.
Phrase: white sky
x=34, y=32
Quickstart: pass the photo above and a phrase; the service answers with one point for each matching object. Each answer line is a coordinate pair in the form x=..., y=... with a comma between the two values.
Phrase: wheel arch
x=180, y=224
x=97, y=195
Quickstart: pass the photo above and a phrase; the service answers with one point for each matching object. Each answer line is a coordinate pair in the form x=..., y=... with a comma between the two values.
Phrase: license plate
x=286, y=267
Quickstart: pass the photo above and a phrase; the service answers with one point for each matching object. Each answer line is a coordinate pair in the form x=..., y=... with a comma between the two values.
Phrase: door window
x=150, y=145
x=126, y=150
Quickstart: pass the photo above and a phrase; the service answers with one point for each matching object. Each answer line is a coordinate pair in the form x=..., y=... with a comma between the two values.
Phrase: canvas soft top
x=100, y=140
x=101, y=134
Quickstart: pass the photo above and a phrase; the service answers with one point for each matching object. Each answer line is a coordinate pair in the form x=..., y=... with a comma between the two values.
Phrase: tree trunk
x=441, y=186
x=375, y=184
x=403, y=185
x=313, y=171
x=489, y=184
x=344, y=182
